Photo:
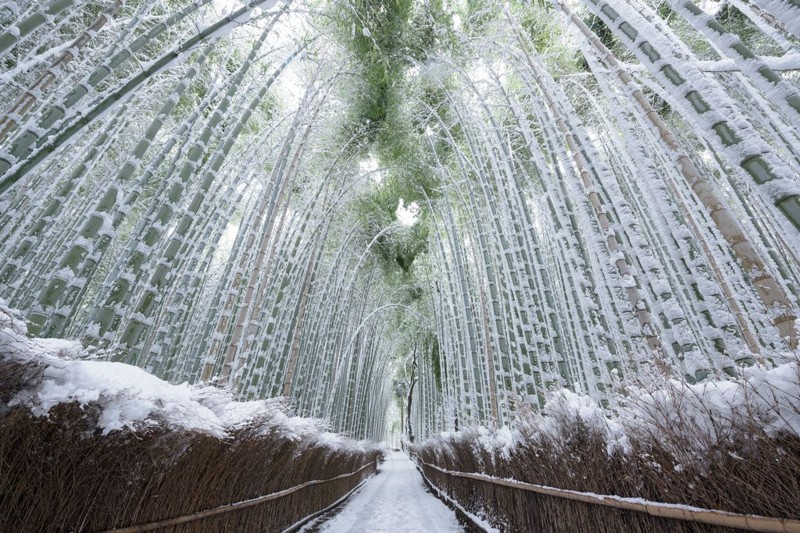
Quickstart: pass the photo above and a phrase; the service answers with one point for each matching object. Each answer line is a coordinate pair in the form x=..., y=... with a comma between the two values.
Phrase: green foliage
x=262, y=116
x=376, y=30
x=479, y=14
x=602, y=31
x=397, y=249
x=547, y=35
x=664, y=11
x=684, y=28
x=736, y=22
x=388, y=38
x=385, y=37
x=412, y=243
x=430, y=350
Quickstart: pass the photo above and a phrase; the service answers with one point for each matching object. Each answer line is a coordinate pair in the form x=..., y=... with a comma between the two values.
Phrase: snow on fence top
x=761, y=399
x=130, y=397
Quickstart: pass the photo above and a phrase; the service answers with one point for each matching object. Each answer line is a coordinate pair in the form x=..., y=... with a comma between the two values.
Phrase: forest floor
x=395, y=500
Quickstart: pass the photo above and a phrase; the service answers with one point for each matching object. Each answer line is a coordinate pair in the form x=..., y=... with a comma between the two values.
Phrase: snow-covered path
x=395, y=500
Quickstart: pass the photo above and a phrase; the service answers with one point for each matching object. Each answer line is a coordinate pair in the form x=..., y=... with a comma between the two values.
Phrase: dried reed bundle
x=749, y=473
x=59, y=473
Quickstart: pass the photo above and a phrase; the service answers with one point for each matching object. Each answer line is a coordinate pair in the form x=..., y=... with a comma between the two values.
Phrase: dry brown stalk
x=748, y=473
x=697, y=515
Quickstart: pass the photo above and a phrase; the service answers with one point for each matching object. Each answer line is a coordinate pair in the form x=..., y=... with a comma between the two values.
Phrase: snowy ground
x=396, y=501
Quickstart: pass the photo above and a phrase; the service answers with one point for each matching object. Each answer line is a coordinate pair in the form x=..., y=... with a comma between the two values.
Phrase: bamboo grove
x=453, y=208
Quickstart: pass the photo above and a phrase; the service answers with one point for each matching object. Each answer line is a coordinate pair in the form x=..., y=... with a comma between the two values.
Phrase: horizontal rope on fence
x=199, y=515
x=663, y=510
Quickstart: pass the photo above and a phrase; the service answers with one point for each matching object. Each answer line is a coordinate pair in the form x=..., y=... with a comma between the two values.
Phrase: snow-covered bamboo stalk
x=107, y=317
x=785, y=12
x=17, y=112
x=263, y=214
x=777, y=90
x=666, y=204
x=573, y=251
x=736, y=141
x=280, y=179
x=767, y=29
x=162, y=274
x=98, y=75
x=630, y=284
x=468, y=307
x=770, y=291
x=81, y=257
x=18, y=31
x=33, y=146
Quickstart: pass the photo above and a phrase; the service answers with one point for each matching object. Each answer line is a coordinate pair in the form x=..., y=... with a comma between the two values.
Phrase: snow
x=479, y=521
x=766, y=397
x=130, y=397
x=705, y=415
x=395, y=500
x=407, y=215
x=786, y=12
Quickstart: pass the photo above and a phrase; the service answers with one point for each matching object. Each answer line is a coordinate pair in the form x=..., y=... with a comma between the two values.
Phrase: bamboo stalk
x=769, y=290
x=14, y=115
x=641, y=310
x=9, y=38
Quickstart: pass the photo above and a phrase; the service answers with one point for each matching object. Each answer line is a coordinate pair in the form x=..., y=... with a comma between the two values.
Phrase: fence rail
x=662, y=510
x=199, y=515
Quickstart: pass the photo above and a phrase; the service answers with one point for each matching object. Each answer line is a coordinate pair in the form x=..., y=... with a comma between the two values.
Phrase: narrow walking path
x=395, y=500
